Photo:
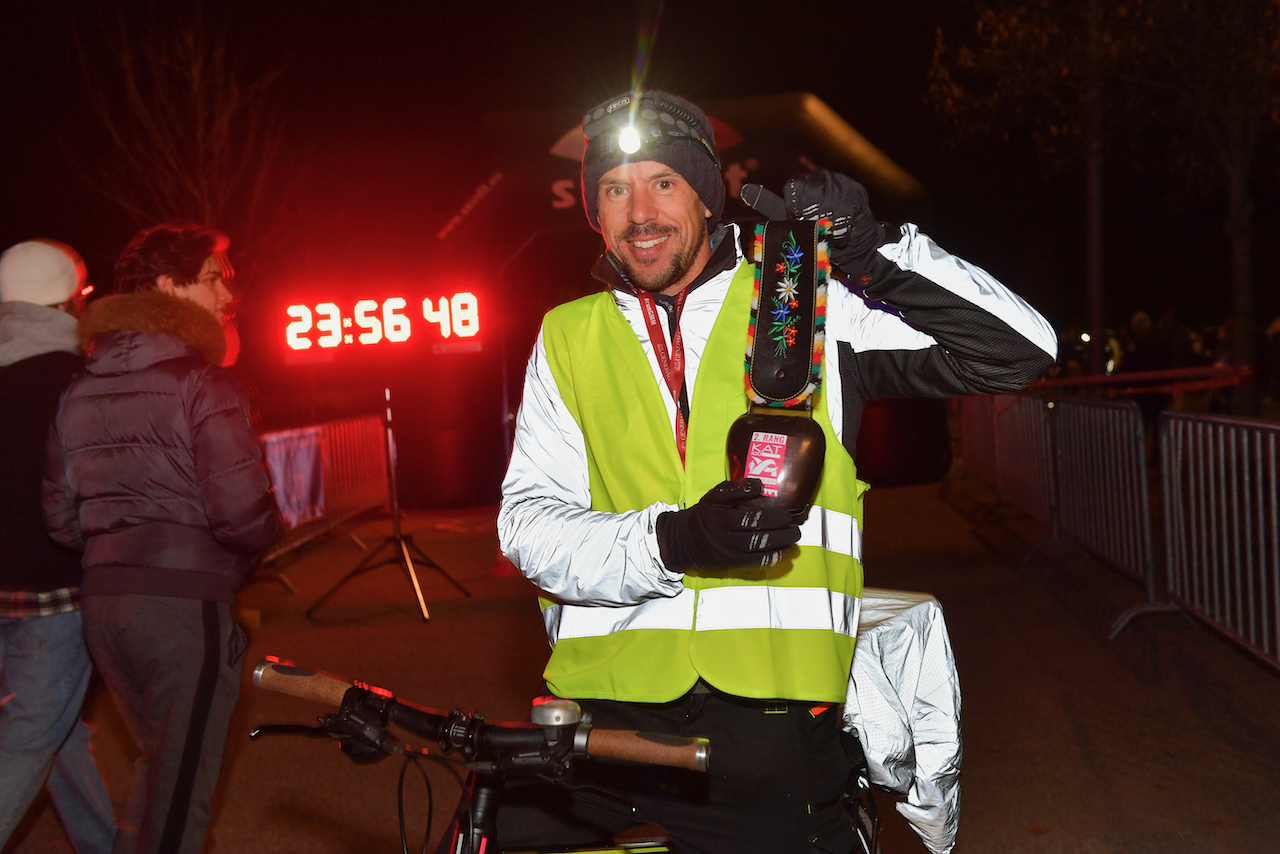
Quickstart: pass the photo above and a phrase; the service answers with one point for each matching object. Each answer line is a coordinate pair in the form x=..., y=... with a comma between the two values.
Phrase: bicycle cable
x=404, y=834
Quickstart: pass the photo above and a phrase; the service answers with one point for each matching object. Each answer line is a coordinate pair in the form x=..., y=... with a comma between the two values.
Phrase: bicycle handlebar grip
x=653, y=748
x=297, y=681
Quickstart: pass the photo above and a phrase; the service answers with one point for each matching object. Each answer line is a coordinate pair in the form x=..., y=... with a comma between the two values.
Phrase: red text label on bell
x=764, y=459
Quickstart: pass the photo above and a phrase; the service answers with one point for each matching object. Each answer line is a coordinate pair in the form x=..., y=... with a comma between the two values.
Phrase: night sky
x=378, y=92
x=385, y=102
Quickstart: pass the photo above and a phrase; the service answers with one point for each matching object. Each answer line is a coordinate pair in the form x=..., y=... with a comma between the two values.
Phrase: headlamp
x=639, y=121
x=629, y=139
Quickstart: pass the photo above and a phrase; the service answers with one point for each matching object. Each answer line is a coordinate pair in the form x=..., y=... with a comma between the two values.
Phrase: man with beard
x=670, y=607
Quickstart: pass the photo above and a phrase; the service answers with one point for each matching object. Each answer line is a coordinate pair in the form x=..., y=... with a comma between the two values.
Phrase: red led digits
x=371, y=322
x=396, y=326
x=441, y=317
x=330, y=323
x=456, y=315
x=364, y=321
x=466, y=317
x=294, y=332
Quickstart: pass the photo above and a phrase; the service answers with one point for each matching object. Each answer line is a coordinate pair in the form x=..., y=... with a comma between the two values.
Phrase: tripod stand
x=403, y=551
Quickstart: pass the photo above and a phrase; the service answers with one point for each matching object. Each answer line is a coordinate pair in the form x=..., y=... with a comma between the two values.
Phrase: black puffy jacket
x=152, y=468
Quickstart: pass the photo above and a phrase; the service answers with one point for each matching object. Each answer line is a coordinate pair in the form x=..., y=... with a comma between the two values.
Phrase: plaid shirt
x=27, y=603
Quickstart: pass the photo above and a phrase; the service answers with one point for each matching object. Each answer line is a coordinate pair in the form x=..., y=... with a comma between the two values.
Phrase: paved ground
x=1166, y=739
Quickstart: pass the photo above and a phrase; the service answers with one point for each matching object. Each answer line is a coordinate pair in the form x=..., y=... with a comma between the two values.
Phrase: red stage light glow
x=383, y=321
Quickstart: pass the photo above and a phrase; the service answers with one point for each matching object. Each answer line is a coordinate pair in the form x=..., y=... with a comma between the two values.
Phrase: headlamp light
x=629, y=139
x=640, y=121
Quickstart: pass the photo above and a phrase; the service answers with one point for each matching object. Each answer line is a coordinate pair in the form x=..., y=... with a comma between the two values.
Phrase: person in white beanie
x=44, y=665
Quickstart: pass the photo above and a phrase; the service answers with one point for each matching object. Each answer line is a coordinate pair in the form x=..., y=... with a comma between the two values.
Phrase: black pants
x=776, y=778
x=173, y=668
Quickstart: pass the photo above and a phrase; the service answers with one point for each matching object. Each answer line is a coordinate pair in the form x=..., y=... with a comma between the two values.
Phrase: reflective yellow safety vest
x=786, y=632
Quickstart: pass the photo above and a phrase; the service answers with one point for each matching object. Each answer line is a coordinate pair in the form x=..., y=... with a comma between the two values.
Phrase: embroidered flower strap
x=788, y=313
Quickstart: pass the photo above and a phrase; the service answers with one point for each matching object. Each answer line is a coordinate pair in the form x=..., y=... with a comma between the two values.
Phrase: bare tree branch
x=193, y=136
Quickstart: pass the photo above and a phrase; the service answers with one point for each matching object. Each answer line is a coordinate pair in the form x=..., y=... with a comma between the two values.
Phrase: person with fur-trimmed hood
x=155, y=473
x=44, y=665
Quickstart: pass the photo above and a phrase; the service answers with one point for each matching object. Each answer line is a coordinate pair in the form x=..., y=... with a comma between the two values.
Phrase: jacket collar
x=150, y=313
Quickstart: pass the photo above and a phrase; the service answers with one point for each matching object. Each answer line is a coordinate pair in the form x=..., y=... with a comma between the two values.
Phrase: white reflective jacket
x=926, y=324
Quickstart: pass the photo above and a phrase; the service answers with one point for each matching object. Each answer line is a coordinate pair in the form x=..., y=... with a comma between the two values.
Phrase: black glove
x=855, y=234
x=718, y=532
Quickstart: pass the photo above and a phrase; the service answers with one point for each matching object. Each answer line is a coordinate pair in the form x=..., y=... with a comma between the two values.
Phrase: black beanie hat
x=673, y=132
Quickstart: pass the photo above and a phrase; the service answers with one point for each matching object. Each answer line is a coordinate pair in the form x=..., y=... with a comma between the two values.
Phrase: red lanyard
x=672, y=366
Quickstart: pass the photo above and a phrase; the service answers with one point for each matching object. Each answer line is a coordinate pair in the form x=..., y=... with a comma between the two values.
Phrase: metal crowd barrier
x=977, y=426
x=1102, y=474
x=1222, y=531
x=1221, y=490
x=1007, y=444
x=1078, y=465
x=1024, y=456
x=1103, y=494
x=324, y=475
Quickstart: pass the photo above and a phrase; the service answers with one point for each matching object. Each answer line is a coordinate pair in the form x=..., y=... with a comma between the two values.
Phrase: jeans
x=44, y=673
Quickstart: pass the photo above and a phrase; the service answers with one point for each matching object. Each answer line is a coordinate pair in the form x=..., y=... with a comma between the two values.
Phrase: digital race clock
x=325, y=324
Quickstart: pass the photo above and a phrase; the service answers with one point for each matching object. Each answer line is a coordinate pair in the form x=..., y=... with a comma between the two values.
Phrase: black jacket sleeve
x=919, y=322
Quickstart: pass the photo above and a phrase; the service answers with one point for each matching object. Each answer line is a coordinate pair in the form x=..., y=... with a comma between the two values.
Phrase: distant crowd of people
x=1142, y=344
x=135, y=503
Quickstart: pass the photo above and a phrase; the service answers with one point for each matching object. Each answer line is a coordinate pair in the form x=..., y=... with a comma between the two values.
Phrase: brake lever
x=331, y=726
x=289, y=729
x=339, y=729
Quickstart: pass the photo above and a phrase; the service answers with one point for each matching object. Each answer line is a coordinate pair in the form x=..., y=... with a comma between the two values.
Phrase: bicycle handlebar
x=650, y=748
x=477, y=739
x=296, y=681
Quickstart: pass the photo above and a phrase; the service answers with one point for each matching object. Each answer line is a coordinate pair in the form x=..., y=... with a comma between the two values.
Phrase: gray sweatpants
x=173, y=668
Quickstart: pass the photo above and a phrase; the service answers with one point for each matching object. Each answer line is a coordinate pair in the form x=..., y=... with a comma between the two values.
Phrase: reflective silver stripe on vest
x=778, y=608
x=832, y=530
x=581, y=621
x=755, y=607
